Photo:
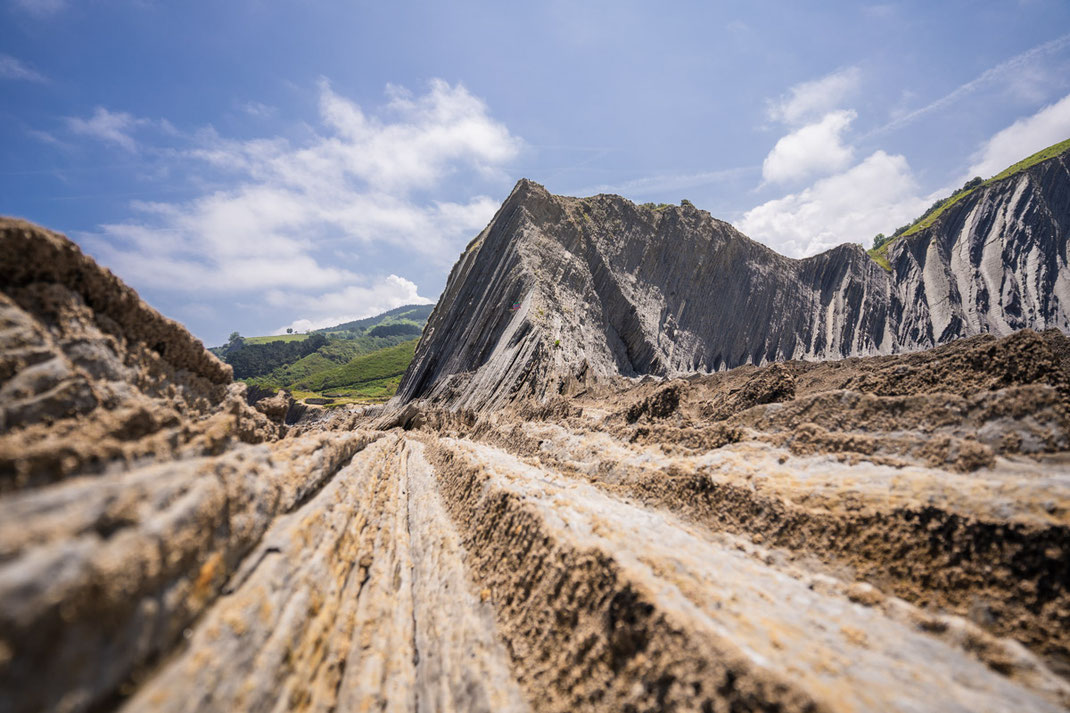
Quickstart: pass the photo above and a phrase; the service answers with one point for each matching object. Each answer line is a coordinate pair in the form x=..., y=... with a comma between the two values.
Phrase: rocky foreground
x=888, y=533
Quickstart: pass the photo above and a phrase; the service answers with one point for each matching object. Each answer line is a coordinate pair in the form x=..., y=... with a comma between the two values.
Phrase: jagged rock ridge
x=558, y=291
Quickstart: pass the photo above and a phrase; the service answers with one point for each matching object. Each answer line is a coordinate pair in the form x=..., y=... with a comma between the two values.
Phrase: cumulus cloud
x=371, y=298
x=808, y=100
x=298, y=219
x=1023, y=138
x=11, y=68
x=874, y=196
x=814, y=149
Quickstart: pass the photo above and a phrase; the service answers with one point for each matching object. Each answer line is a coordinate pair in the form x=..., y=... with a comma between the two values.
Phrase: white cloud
x=814, y=149
x=807, y=100
x=104, y=125
x=11, y=68
x=41, y=8
x=1023, y=138
x=874, y=196
x=300, y=219
x=338, y=307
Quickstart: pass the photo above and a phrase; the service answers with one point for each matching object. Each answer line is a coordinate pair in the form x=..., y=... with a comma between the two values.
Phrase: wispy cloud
x=1015, y=66
x=113, y=127
x=11, y=68
x=257, y=109
x=40, y=8
x=661, y=183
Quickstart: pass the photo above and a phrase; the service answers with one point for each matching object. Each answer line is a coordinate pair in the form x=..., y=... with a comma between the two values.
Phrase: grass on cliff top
x=880, y=255
x=276, y=338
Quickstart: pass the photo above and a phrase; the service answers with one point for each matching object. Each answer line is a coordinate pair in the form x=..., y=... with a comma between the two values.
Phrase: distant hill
x=406, y=314
x=357, y=361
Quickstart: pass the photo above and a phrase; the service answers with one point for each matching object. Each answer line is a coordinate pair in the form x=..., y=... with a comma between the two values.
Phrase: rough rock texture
x=92, y=379
x=557, y=292
x=889, y=533
x=994, y=262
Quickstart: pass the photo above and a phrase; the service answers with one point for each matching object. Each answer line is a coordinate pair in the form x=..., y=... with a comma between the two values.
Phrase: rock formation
x=528, y=529
x=558, y=291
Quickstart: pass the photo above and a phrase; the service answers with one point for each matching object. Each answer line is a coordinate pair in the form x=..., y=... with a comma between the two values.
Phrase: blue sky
x=256, y=164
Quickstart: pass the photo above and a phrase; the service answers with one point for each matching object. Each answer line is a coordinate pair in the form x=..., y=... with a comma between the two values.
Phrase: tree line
x=251, y=360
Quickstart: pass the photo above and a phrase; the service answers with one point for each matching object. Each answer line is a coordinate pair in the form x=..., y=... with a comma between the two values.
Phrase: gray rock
x=558, y=291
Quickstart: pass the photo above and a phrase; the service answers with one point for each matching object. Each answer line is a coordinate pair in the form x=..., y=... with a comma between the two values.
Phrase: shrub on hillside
x=395, y=330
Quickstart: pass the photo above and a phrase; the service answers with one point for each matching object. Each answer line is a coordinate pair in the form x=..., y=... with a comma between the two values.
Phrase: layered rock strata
x=557, y=291
x=889, y=533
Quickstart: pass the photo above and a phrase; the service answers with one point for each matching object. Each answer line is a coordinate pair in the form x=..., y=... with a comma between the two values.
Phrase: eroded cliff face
x=879, y=534
x=557, y=292
x=995, y=262
x=562, y=290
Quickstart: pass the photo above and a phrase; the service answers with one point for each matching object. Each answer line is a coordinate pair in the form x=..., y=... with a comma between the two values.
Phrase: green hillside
x=370, y=377
x=880, y=253
x=354, y=362
x=415, y=315
x=336, y=353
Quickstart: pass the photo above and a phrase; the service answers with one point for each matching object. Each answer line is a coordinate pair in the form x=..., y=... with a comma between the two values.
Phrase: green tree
x=289, y=330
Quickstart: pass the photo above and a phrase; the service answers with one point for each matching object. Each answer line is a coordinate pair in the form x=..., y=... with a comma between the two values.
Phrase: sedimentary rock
x=889, y=533
x=558, y=291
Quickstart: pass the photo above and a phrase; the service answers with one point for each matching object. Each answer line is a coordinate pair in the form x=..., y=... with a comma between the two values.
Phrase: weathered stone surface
x=99, y=576
x=889, y=533
x=93, y=379
x=358, y=601
x=617, y=606
x=994, y=262
x=557, y=292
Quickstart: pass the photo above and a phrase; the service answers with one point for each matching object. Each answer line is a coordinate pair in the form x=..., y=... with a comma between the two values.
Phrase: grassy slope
x=373, y=376
x=336, y=353
x=332, y=369
x=880, y=255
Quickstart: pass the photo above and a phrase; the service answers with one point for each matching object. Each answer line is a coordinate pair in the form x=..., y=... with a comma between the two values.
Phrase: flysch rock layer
x=92, y=378
x=889, y=533
x=557, y=292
